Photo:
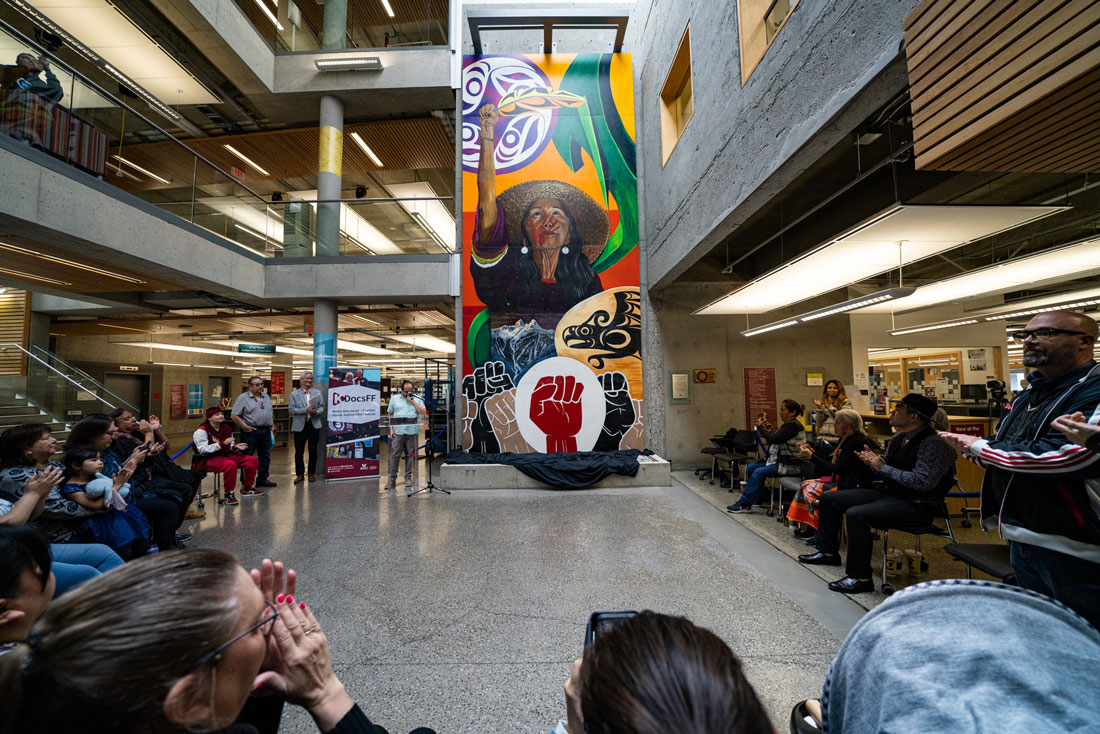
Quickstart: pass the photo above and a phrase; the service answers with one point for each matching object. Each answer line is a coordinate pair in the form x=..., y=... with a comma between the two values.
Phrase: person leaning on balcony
x=26, y=101
x=833, y=399
x=305, y=407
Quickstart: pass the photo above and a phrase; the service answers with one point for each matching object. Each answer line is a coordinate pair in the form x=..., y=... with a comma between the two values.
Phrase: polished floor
x=465, y=612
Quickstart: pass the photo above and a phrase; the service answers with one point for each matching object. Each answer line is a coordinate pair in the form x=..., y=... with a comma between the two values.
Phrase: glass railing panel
x=225, y=206
x=81, y=379
x=66, y=397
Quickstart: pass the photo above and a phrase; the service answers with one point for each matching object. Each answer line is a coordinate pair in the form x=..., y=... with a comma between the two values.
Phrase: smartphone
x=146, y=445
x=600, y=622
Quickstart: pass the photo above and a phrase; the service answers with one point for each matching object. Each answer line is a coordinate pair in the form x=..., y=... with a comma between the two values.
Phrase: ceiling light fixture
x=933, y=327
x=28, y=276
x=350, y=63
x=254, y=233
x=890, y=294
x=125, y=328
x=146, y=171
x=366, y=149
x=364, y=318
x=71, y=263
x=244, y=158
x=175, y=348
x=269, y=14
x=872, y=248
x=426, y=342
x=1043, y=309
x=362, y=348
x=387, y=8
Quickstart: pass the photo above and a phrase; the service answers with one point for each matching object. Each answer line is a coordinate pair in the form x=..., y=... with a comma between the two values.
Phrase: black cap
x=923, y=406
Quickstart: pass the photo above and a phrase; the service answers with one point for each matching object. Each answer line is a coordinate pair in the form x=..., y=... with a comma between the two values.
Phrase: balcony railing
x=66, y=114
x=60, y=389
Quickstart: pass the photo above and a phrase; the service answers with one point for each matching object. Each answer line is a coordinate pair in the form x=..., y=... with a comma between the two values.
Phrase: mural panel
x=551, y=304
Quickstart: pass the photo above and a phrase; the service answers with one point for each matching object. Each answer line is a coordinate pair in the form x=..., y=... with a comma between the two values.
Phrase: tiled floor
x=464, y=612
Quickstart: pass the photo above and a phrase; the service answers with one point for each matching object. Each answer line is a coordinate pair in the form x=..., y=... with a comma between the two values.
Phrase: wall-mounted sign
x=177, y=402
x=760, y=396
x=278, y=383
x=679, y=386
x=194, y=400
x=127, y=368
x=256, y=348
x=815, y=379
x=707, y=376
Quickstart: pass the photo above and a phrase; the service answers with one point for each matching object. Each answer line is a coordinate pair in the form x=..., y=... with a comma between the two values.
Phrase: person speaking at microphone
x=404, y=409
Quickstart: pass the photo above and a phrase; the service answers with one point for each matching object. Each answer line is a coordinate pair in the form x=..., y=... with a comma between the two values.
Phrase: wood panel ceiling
x=1005, y=86
x=408, y=144
x=361, y=14
x=69, y=276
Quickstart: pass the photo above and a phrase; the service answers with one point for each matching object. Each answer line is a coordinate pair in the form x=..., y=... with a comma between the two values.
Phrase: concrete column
x=336, y=25
x=325, y=332
x=330, y=156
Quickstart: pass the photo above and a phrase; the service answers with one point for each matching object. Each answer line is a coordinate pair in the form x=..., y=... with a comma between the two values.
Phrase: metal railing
x=66, y=397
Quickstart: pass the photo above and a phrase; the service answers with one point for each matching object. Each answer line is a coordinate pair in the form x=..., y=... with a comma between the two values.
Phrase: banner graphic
x=353, y=413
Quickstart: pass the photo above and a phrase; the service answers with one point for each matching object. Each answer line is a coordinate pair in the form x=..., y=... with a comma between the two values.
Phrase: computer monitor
x=973, y=393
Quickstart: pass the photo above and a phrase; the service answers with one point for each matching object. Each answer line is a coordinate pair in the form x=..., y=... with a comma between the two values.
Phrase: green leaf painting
x=598, y=130
x=477, y=339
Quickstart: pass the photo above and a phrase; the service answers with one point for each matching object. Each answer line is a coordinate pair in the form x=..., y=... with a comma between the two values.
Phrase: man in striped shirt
x=1040, y=488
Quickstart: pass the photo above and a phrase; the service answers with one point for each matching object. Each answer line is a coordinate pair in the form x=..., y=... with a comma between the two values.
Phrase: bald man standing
x=1042, y=489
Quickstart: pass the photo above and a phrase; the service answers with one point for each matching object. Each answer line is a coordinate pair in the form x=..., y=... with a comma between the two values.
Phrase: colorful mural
x=550, y=298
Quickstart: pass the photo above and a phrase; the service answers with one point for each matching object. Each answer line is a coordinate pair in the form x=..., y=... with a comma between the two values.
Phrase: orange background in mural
x=550, y=166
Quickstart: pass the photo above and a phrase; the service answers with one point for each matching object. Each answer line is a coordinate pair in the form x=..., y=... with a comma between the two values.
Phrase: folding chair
x=990, y=558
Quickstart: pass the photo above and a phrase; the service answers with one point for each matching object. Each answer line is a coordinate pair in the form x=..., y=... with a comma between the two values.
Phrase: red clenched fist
x=556, y=410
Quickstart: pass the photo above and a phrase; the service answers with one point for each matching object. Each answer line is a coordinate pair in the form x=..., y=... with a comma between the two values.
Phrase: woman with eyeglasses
x=175, y=642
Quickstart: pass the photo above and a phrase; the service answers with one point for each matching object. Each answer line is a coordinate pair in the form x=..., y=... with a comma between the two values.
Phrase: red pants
x=227, y=466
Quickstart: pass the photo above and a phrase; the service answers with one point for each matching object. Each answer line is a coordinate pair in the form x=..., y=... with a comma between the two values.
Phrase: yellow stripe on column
x=330, y=153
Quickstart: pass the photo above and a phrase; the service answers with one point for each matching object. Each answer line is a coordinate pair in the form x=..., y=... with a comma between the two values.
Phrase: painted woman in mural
x=533, y=244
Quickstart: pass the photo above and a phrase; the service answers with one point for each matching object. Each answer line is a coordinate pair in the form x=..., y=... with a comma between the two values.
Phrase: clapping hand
x=154, y=423
x=228, y=441
x=817, y=402
x=805, y=451
x=870, y=458
x=42, y=482
x=1076, y=427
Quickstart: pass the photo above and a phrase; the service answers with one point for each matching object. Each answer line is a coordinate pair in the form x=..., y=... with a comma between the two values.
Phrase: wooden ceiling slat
x=80, y=281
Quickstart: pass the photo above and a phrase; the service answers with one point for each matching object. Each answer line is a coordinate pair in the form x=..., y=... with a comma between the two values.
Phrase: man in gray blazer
x=306, y=406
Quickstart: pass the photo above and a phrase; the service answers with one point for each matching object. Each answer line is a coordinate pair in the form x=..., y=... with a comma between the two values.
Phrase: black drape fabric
x=578, y=470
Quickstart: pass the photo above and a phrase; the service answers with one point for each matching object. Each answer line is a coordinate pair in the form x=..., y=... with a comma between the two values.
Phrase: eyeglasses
x=1021, y=336
x=266, y=624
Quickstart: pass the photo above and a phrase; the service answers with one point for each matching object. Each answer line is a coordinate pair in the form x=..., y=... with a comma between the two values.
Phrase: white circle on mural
x=590, y=402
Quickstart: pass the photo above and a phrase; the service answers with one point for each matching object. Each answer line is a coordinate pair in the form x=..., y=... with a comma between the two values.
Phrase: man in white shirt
x=404, y=410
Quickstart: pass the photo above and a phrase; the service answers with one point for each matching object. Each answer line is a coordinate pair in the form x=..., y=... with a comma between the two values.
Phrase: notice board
x=177, y=402
x=760, y=395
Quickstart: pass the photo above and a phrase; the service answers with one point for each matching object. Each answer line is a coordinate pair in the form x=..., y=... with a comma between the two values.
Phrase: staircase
x=15, y=409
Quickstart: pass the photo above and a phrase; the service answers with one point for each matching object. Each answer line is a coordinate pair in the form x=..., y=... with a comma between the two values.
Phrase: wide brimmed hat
x=590, y=217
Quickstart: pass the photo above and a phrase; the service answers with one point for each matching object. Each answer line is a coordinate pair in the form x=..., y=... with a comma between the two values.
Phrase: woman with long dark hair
x=782, y=460
x=833, y=399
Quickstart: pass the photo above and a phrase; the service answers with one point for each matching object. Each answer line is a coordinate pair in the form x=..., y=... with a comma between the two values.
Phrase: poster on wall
x=194, y=401
x=552, y=310
x=177, y=402
x=760, y=397
x=353, y=413
x=278, y=383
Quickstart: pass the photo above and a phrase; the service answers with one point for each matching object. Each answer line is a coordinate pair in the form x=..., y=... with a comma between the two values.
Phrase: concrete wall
x=831, y=65
x=406, y=69
x=691, y=342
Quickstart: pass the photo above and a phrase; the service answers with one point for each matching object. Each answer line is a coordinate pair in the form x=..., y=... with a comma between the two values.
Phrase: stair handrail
x=99, y=385
x=4, y=346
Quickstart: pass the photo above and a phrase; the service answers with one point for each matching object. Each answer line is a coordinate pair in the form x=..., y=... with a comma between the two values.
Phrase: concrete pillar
x=336, y=25
x=330, y=155
x=325, y=331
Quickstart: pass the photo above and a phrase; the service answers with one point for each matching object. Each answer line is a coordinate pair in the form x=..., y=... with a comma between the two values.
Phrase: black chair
x=735, y=447
x=990, y=558
x=967, y=510
x=939, y=511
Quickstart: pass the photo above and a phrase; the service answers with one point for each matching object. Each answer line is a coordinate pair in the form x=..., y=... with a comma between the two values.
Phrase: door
x=218, y=390
x=134, y=389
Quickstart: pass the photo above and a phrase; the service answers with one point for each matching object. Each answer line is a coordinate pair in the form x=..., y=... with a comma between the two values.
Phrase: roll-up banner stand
x=354, y=400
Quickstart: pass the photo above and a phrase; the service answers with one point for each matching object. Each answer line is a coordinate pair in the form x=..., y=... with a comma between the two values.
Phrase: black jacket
x=1043, y=489
x=848, y=471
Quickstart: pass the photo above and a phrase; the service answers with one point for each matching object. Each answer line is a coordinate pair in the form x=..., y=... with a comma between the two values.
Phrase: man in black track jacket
x=1042, y=490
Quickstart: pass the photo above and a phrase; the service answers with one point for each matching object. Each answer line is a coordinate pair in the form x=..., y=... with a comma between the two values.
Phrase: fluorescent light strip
x=136, y=167
x=426, y=342
x=71, y=263
x=891, y=294
x=244, y=158
x=126, y=328
x=350, y=63
x=269, y=14
x=1043, y=309
x=28, y=276
x=366, y=149
x=933, y=327
x=256, y=234
x=362, y=348
x=387, y=8
x=177, y=348
x=363, y=318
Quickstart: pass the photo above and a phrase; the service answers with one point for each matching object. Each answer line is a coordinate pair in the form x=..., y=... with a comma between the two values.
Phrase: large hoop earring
x=523, y=250
x=565, y=250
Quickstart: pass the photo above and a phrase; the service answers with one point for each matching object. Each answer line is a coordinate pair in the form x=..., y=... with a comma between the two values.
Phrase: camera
x=600, y=622
x=998, y=390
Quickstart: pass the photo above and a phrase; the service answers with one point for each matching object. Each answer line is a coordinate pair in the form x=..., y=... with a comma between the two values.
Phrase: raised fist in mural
x=502, y=416
x=468, y=410
x=556, y=411
x=486, y=381
x=488, y=116
x=619, y=412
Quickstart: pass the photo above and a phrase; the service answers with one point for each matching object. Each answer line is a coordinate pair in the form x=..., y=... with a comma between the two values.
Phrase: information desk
x=970, y=474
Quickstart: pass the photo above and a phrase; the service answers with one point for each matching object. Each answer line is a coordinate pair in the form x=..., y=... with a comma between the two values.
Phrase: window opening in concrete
x=759, y=22
x=677, y=100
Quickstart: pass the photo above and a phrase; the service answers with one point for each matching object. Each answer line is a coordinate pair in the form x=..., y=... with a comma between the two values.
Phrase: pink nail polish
x=279, y=598
x=303, y=605
x=290, y=600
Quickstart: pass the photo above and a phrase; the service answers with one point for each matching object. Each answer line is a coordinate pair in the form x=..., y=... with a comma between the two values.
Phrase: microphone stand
x=429, y=453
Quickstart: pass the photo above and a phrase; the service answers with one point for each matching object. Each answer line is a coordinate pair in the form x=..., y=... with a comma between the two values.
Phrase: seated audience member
x=933, y=657
x=1040, y=488
x=118, y=525
x=217, y=450
x=26, y=584
x=655, y=673
x=833, y=399
x=165, y=513
x=28, y=479
x=918, y=467
x=842, y=470
x=783, y=458
x=158, y=474
x=200, y=636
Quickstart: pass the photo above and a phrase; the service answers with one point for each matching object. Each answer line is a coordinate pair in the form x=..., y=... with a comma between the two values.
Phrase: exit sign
x=237, y=172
